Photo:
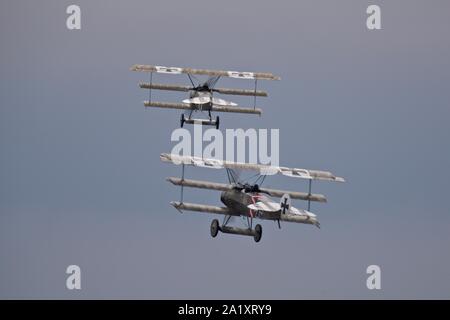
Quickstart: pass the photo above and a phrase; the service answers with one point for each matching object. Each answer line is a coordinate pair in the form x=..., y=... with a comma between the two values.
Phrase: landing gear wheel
x=217, y=122
x=182, y=120
x=214, y=228
x=258, y=231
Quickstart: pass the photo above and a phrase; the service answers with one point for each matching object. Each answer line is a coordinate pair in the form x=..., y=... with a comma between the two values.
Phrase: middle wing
x=224, y=187
x=182, y=88
x=263, y=169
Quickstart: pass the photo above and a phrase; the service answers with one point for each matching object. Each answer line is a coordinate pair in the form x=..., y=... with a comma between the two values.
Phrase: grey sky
x=81, y=181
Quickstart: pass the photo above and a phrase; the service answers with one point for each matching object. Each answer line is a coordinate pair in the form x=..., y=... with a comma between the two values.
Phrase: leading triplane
x=246, y=199
x=201, y=99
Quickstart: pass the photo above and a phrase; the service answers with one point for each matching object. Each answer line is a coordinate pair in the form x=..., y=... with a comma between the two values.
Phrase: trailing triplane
x=249, y=200
x=201, y=97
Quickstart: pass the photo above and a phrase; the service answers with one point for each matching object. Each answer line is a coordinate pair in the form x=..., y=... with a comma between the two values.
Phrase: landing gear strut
x=255, y=233
x=182, y=120
x=217, y=122
x=204, y=122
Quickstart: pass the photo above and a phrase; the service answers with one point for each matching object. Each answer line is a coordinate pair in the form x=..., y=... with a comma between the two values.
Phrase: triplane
x=201, y=97
x=249, y=200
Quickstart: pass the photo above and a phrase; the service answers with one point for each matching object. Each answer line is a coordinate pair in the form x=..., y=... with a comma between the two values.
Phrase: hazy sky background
x=81, y=181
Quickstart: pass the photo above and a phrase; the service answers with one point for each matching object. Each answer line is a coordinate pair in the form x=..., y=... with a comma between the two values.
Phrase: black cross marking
x=285, y=206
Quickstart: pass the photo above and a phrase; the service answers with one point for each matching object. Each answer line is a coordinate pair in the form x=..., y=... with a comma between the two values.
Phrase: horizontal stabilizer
x=267, y=206
x=208, y=100
x=295, y=195
x=270, y=206
x=297, y=218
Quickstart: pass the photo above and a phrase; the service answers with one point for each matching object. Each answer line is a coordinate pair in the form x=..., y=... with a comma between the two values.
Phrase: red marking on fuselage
x=255, y=199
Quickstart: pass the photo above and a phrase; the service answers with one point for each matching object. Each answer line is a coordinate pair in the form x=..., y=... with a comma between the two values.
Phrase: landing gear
x=214, y=228
x=258, y=233
x=217, y=122
x=200, y=121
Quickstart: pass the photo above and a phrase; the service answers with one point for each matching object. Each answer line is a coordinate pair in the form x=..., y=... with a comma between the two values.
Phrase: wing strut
x=254, y=97
x=190, y=79
x=182, y=179
x=309, y=195
x=150, y=91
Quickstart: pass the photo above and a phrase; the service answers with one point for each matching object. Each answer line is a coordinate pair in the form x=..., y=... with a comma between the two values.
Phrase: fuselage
x=238, y=200
x=205, y=95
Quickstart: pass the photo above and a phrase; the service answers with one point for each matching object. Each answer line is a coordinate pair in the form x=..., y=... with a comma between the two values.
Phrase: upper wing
x=221, y=73
x=264, y=169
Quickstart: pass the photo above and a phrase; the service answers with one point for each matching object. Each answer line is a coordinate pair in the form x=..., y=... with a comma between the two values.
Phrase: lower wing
x=214, y=108
x=201, y=208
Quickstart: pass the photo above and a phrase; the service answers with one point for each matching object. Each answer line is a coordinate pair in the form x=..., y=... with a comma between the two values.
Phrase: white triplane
x=201, y=93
